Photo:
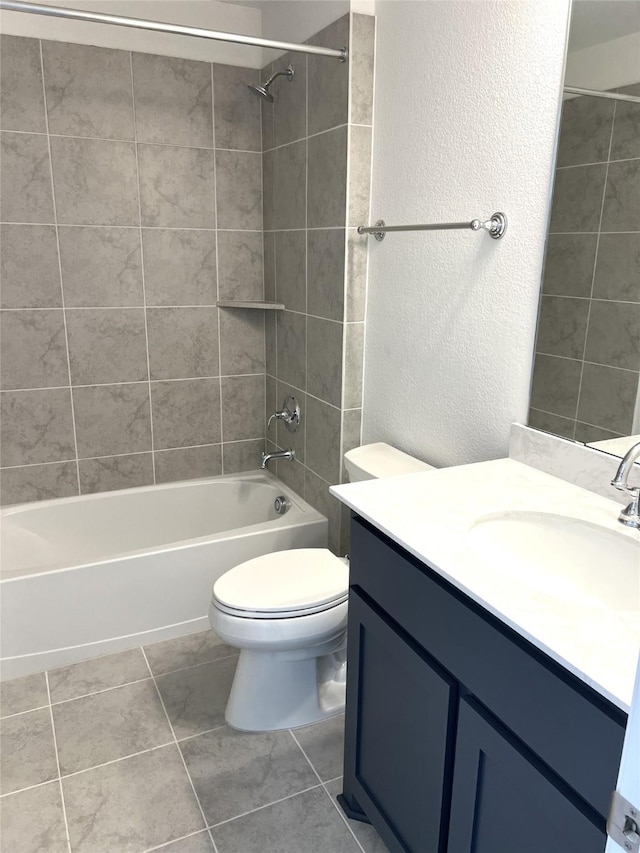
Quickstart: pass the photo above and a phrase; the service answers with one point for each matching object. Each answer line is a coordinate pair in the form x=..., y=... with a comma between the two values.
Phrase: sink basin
x=563, y=557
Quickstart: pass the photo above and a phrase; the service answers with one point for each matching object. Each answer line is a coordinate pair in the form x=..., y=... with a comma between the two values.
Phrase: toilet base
x=283, y=690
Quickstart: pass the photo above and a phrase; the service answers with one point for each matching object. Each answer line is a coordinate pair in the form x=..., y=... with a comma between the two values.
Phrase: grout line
x=342, y=814
x=306, y=261
x=218, y=316
x=309, y=135
x=134, y=382
x=599, y=162
x=118, y=760
x=265, y=806
x=55, y=744
x=168, y=844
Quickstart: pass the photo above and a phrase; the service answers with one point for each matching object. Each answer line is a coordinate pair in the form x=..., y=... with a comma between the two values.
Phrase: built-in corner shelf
x=265, y=306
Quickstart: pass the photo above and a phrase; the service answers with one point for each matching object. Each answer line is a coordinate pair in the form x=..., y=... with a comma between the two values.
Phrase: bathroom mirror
x=585, y=383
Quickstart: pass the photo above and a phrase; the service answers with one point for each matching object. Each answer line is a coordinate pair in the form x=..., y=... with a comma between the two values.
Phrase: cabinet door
x=504, y=803
x=399, y=708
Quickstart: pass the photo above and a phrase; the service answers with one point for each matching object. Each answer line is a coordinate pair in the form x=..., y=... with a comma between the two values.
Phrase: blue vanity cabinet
x=461, y=736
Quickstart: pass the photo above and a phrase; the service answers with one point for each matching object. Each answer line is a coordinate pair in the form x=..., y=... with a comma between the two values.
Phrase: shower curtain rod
x=174, y=29
x=595, y=93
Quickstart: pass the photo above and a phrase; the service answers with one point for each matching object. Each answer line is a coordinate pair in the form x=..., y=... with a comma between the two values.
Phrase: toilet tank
x=373, y=461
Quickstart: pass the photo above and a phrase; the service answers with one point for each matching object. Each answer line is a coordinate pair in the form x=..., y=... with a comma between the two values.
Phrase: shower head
x=263, y=90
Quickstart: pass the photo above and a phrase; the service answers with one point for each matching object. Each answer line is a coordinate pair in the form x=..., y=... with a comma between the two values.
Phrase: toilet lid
x=285, y=582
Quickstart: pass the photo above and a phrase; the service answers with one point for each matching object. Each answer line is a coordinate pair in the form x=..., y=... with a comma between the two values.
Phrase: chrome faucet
x=289, y=454
x=630, y=515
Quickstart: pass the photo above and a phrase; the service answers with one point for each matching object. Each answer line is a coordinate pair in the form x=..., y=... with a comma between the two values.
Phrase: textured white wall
x=466, y=108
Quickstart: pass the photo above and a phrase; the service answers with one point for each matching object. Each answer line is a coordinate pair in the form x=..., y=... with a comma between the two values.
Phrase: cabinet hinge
x=623, y=824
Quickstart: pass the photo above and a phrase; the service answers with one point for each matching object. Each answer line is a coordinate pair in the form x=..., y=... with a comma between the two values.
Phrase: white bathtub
x=87, y=576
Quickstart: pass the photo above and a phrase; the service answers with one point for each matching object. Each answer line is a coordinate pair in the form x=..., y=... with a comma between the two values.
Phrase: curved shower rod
x=173, y=29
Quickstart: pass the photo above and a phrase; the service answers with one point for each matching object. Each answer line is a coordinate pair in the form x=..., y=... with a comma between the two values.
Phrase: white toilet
x=287, y=613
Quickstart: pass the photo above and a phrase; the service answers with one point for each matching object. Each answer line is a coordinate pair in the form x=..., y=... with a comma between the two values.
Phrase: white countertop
x=429, y=515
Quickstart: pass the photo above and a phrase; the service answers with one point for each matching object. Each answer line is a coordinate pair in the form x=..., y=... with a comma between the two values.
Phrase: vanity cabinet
x=461, y=736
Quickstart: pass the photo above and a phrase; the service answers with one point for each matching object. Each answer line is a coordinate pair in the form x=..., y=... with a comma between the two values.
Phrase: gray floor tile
x=366, y=834
x=324, y=745
x=131, y=805
x=195, y=698
x=28, y=751
x=109, y=725
x=234, y=772
x=23, y=694
x=32, y=821
x=199, y=843
x=307, y=823
x=182, y=652
x=79, y=679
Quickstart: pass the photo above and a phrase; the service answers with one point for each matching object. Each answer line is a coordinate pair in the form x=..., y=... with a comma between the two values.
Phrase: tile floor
x=129, y=753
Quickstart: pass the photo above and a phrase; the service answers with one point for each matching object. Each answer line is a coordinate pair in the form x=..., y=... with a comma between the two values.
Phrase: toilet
x=287, y=613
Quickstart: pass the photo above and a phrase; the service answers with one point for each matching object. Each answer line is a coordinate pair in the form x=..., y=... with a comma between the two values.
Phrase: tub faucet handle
x=290, y=414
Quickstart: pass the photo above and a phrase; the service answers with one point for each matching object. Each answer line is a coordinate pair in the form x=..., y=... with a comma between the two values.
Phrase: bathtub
x=88, y=576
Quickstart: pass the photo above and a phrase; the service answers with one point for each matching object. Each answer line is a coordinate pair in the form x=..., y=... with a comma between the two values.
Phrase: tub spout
x=289, y=454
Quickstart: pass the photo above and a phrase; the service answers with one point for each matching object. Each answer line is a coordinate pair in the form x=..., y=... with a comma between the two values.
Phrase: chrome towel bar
x=496, y=227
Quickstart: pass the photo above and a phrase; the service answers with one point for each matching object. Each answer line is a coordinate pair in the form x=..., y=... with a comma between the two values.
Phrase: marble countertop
x=430, y=515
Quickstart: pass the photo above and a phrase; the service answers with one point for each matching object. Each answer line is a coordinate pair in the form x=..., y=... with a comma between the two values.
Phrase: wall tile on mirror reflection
x=106, y=345
x=25, y=177
x=38, y=482
x=173, y=100
x=577, y=198
x=291, y=267
x=36, y=427
x=556, y=382
x=618, y=268
x=242, y=455
x=323, y=440
x=21, y=95
x=551, y=423
x=101, y=267
x=115, y=472
x=186, y=413
x=88, y=90
x=176, y=187
x=568, y=266
x=239, y=190
x=626, y=127
x=183, y=342
x=585, y=131
x=240, y=265
x=29, y=269
x=290, y=100
x=562, y=326
x=607, y=397
x=588, y=433
x=324, y=359
x=327, y=179
x=614, y=334
x=242, y=407
x=325, y=273
x=363, y=34
x=329, y=80
x=290, y=163
x=621, y=210
x=241, y=341
x=34, y=350
x=112, y=419
x=187, y=463
x=179, y=267
x=237, y=110
x=95, y=181
x=291, y=337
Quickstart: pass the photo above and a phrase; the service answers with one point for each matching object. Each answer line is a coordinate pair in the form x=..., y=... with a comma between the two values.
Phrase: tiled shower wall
x=587, y=362
x=316, y=164
x=131, y=201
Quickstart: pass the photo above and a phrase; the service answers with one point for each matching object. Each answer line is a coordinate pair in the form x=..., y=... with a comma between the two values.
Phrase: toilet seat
x=283, y=585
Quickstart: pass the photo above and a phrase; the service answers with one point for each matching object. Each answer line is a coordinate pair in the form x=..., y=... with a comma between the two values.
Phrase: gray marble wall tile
x=278, y=431
x=326, y=273
x=179, y=267
x=324, y=359
x=176, y=187
x=23, y=694
x=101, y=267
x=112, y=419
x=585, y=131
x=363, y=36
x=29, y=267
x=323, y=440
x=607, y=397
x=626, y=128
x=95, y=181
x=21, y=96
x=25, y=176
x=618, y=268
x=33, y=350
x=91, y=676
x=359, y=174
x=239, y=190
x=356, y=283
x=188, y=463
x=33, y=821
x=237, y=110
x=186, y=413
x=329, y=80
x=291, y=266
x=291, y=472
x=241, y=341
x=183, y=342
x=562, y=326
x=106, y=345
x=588, y=433
x=240, y=265
x=271, y=404
x=614, y=334
x=173, y=100
x=38, y=482
x=268, y=190
x=327, y=179
x=290, y=100
x=621, y=210
x=242, y=407
x=353, y=364
x=36, y=427
x=568, y=267
x=188, y=650
x=290, y=164
x=351, y=435
x=270, y=342
x=269, y=248
x=135, y=804
x=88, y=90
x=316, y=492
x=266, y=110
x=556, y=382
x=577, y=198
x=551, y=423
x=241, y=456
x=115, y=472
x=28, y=752
x=291, y=337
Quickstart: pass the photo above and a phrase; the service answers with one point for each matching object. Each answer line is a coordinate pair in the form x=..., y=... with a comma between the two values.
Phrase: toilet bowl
x=287, y=613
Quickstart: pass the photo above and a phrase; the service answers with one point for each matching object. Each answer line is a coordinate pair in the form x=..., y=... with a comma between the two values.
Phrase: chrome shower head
x=263, y=90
